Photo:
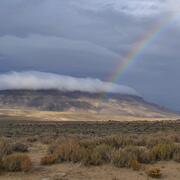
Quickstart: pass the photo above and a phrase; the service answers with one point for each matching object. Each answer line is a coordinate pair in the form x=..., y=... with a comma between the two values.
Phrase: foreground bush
x=17, y=162
x=69, y=151
x=113, y=149
x=74, y=151
x=124, y=157
x=99, y=155
x=154, y=173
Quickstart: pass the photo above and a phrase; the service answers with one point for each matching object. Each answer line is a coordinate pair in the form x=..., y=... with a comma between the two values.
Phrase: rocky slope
x=54, y=100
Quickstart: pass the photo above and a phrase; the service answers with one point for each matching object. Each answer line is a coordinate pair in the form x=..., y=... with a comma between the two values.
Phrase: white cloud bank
x=39, y=80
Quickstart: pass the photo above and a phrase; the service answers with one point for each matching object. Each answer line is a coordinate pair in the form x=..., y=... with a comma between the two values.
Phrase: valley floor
x=38, y=136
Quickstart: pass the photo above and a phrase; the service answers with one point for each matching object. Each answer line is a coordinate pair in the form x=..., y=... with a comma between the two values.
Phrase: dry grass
x=165, y=151
x=10, y=161
x=122, y=151
x=136, y=166
x=5, y=147
x=17, y=162
x=69, y=151
x=49, y=159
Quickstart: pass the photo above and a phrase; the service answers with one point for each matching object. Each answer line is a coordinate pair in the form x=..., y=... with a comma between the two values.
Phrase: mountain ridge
x=78, y=101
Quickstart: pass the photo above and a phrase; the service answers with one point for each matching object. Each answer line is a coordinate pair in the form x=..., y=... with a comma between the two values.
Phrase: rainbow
x=139, y=47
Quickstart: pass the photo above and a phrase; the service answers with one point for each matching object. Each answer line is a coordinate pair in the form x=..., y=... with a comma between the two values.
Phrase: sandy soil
x=170, y=171
x=67, y=171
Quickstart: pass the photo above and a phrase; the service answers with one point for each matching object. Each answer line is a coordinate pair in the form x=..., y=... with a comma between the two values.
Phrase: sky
x=88, y=39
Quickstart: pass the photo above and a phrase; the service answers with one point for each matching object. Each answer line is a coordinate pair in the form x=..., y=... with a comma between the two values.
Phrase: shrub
x=46, y=140
x=85, y=151
x=163, y=151
x=90, y=143
x=53, y=146
x=5, y=147
x=145, y=156
x=123, y=141
x=19, y=147
x=99, y=155
x=87, y=159
x=154, y=173
x=48, y=159
x=17, y=162
x=114, y=149
x=124, y=157
x=1, y=165
x=121, y=158
x=176, y=155
x=114, y=141
x=31, y=139
x=69, y=151
x=156, y=139
x=136, y=166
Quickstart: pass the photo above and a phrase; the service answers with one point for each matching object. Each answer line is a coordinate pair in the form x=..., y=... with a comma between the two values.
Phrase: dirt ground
x=68, y=171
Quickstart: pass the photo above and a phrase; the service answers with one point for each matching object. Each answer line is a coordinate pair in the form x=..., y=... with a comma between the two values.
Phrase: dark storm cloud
x=89, y=38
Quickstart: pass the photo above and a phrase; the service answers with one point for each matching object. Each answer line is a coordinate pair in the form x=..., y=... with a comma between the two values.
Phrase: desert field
x=89, y=89
x=78, y=150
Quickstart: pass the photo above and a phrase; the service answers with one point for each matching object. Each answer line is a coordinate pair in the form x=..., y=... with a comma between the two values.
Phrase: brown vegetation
x=48, y=159
x=154, y=173
x=5, y=147
x=17, y=162
x=122, y=150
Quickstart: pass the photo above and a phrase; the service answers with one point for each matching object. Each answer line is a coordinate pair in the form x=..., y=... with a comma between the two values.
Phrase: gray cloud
x=12, y=45
x=89, y=39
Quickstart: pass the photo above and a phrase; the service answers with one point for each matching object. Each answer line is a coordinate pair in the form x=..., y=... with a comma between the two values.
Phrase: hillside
x=80, y=102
